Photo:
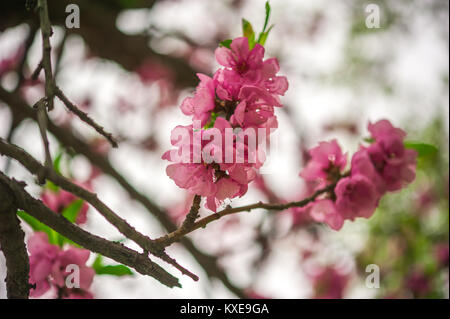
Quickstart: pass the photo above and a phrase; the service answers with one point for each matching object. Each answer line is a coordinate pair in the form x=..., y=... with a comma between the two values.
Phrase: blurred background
x=131, y=63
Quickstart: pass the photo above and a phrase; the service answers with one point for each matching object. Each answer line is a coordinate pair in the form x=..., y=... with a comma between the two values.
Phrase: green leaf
x=225, y=43
x=369, y=140
x=54, y=188
x=248, y=32
x=98, y=262
x=422, y=149
x=114, y=270
x=57, y=162
x=53, y=237
x=33, y=222
x=72, y=210
x=263, y=36
x=266, y=21
x=212, y=121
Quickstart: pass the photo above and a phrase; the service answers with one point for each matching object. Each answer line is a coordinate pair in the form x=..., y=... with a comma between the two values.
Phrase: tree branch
x=50, y=87
x=21, y=110
x=42, y=120
x=13, y=247
x=46, y=30
x=209, y=261
x=99, y=27
x=116, y=251
x=85, y=117
x=34, y=167
x=193, y=213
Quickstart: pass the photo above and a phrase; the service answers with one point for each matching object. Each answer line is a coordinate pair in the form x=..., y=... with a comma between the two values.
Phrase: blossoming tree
x=215, y=158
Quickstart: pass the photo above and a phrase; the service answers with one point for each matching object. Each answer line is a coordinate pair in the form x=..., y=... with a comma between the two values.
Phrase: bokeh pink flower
x=48, y=268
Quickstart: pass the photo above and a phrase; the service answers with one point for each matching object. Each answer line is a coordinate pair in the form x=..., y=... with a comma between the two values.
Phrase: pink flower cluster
x=48, y=265
x=242, y=94
x=385, y=165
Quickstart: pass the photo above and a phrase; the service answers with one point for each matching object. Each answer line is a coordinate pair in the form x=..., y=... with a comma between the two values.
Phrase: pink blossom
x=301, y=216
x=324, y=211
x=248, y=68
x=229, y=84
x=255, y=109
x=383, y=130
x=418, y=282
x=239, y=58
x=9, y=63
x=386, y=162
x=392, y=161
x=326, y=163
x=72, y=256
x=329, y=283
x=208, y=181
x=215, y=180
x=179, y=210
x=361, y=164
x=356, y=196
x=253, y=294
x=152, y=71
x=60, y=199
x=273, y=83
x=201, y=105
x=42, y=257
x=249, y=82
x=245, y=92
x=383, y=166
x=198, y=178
x=242, y=94
x=48, y=267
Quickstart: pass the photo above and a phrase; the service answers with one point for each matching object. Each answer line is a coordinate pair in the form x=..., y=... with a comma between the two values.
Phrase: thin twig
x=34, y=167
x=36, y=71
x=42, y=123
x=47, y=32
x=183, y=231
x=50, y=87
x=84, y=116
x=174, y=263
x=46, y=103
x=193, y=212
